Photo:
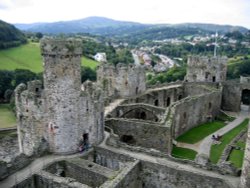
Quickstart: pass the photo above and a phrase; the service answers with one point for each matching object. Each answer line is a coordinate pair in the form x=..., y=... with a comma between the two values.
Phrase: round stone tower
x=62, y=83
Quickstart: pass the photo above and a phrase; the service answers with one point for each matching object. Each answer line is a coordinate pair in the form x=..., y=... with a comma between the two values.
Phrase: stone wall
x=56, y=117
x=30, y=112
x=62, y=83
x=138, y=111
x=245, y=177
x=244, y=80
x=198, y=88
x=110, y=159
x=45, y=179
x=156, y=175
x=192, y=111
x=122, y=80
x=161, y=97
x=206, y=69
x=91, y=111
x=142, y=133
x=232, y=95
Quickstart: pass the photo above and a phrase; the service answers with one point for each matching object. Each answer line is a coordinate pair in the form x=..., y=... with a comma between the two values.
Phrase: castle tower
x=62, y=83
x=206, y=69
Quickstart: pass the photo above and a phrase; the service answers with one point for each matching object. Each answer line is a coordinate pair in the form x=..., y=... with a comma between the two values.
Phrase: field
x=28, y=57
x=7, y=117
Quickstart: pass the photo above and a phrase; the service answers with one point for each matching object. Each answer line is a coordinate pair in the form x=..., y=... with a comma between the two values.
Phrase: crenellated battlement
x=206, y=69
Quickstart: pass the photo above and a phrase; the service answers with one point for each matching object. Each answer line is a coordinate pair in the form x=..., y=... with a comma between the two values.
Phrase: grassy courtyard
x=216, y=150
x=183, y=153
x=7, y=117
x=237, y=155
x=28, y=56
x=198, y=133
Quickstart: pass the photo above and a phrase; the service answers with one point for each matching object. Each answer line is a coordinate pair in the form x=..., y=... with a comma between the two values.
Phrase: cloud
x=10, y=4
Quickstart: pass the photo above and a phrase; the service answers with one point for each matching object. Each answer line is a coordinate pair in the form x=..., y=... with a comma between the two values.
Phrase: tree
x=39, y=35
x=5, y=81
x=87, y=74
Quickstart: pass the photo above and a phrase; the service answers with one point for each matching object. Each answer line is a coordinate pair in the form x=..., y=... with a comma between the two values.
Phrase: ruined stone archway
x=141, y=113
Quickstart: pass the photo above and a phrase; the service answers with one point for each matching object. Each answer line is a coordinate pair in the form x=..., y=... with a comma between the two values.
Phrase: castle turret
x=62, y=83
x=57, y=117
x=206, y=69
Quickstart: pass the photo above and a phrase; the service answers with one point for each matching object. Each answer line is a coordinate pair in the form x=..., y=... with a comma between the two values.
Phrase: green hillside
x=10, y=36
x=28, y=57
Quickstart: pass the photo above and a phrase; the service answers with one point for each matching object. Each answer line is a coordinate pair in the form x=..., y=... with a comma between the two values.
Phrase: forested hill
x=10, y=36
x=110, y=27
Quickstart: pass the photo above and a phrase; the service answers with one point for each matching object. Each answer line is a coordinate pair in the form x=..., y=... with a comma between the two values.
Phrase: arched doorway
x=245, y=97
x=129, y=139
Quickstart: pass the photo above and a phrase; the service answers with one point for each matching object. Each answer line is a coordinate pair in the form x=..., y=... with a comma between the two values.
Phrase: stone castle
x=141, y=123
x=57, y=116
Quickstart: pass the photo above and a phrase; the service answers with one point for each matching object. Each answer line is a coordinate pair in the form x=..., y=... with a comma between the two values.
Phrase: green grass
x=236, y=156
x=89, y=63
x=183, y=153
x=198, y=133
x=217, y=149
x=7, y=117
x=28, y=56
x=23, y=57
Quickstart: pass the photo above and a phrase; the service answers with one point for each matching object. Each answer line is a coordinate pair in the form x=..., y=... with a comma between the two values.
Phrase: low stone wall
x=128, y=177
x=245, y=177
x=192, y=111
x=142, y=133
x=17, y=163
x=198, y=88
x=156, y=175
x=45, y=179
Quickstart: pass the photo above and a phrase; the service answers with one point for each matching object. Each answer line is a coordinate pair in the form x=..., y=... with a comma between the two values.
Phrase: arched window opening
x=168, y=101
x=156, y=102
x=129, y=139
x=143, y=115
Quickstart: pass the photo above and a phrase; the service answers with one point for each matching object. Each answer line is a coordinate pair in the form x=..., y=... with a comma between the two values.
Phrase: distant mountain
x=10, y=36
x=93, y=25
x=110, y=27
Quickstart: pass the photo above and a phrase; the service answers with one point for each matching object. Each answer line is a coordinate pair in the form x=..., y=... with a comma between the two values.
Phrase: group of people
x=216, y=138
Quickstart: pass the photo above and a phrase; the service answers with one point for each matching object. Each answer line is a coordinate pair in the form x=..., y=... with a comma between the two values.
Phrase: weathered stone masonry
x=57, y=116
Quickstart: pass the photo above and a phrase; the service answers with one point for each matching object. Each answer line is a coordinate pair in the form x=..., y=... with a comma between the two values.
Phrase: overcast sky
x=234, y=12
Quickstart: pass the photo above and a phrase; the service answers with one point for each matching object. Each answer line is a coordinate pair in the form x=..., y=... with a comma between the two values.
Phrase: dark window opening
x=62, y=174
x=37, y=89
x=245, y=97
x=206, y=75
x=136, y=90
x=180, y=97
x=214, y=79
x=156, y=102
x=185, y=115
x=168, y=101
x=143, y=115
x=128, y=139
x=209, y=105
